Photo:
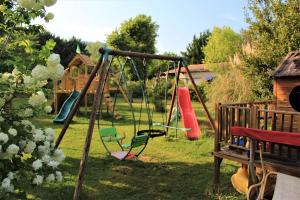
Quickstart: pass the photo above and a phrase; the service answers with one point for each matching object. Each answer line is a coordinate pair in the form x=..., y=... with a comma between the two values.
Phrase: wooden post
x=217, y=160
x=95, y=108
x=85, y=103
x=211, y=121
x=77, y=104
x=252, y=172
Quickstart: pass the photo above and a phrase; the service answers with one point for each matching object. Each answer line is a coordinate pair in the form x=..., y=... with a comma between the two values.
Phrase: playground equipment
x=282, y=191
x=102, y=69
x=66, y=107
x=188, y=115
x=140, y=138
x=76, y=75
x=278, y=115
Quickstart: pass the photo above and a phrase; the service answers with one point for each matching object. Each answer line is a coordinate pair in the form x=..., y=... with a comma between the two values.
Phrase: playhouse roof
x=289, y=66
x=81, y=59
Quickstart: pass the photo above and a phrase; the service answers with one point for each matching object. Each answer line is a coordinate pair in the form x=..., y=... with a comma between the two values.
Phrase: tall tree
x=93, y=49
x=136, y=34
x=222, y=44
x=66, y=48
x=274, y=30
x=194, y=51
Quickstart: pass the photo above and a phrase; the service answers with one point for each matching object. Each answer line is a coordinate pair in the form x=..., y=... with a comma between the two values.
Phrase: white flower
x=12, y=149
x=2, y=102
x=7, y=186
x=48, y=109
x=53, y=60
x=57, y=72
x=22, y=143
x=58, y=155
x=59, y=176
x=40, y=72
x=3, y=137
x=43, y=149
x=37, y=99
x=53, y=164
x=28, y=81
x=16, y=72
x=38, y=135
x=28, y=112
x=38, y=180
x=6, y=77
x=37, y=164
x=49, y=2
x=12, y=131
x=26, y=122
x=11, y=175
x=26, y=3
x=50, y=178
x=49, y=134
x=49, y=17
x=1, y=119
x=38, y=5
x=30, y=147
x=46, y=159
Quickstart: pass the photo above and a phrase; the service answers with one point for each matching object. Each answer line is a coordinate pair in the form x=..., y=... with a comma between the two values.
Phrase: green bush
x=134, y=89
x=201, y=88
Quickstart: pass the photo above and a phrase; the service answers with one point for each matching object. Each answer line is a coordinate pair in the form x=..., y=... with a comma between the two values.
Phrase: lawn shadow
x=108, y=178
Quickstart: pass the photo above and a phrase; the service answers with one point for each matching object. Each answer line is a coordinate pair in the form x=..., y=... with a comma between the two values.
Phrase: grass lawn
x=168, y=169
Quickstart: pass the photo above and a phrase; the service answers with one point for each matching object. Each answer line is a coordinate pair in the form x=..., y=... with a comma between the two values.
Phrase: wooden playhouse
x=75, y=76
x=280, y=114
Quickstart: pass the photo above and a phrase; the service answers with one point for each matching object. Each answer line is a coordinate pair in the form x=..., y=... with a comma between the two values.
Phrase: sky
x=178, y=20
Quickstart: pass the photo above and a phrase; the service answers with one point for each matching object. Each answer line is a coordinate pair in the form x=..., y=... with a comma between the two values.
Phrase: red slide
x=188, y=115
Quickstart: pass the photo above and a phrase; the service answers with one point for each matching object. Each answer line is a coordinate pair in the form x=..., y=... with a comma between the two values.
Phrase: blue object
x=208, y=77
x=66, y=108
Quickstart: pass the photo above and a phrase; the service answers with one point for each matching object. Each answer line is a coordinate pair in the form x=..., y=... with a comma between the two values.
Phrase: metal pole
x=140, y=55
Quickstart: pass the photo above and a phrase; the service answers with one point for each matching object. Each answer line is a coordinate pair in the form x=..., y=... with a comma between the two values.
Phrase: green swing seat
x=110, y=134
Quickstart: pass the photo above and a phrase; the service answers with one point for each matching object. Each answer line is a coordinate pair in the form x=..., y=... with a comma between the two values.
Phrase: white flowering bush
x=27, y=154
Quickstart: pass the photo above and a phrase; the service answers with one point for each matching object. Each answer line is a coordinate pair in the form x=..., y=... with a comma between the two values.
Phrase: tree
x=222, y=44
x=274, y=30
x=93, y=49
x=65, y=48
x=194, y=52
x=136, y=34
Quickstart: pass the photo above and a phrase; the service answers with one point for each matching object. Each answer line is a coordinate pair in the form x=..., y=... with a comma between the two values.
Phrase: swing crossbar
x=172, y=127
x=139, y=55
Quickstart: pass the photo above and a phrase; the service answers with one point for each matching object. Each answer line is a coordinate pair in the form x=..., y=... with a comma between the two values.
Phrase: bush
x=201, y=88
x=134, y=89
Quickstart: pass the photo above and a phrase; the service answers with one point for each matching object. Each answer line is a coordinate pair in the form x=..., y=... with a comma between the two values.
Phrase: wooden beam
x=95, y=108
x=211, y=120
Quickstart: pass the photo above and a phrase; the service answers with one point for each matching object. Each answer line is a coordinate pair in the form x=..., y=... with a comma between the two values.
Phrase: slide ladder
x=187, y=112
x=66, y=108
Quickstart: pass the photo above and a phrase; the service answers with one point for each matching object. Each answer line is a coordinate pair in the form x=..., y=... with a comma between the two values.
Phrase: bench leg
x=217, y=165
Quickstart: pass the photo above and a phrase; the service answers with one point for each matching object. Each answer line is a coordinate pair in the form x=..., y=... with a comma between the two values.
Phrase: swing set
x=109, y=134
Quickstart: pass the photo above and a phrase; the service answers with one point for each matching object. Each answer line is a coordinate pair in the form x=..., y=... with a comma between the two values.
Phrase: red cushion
x=287, y=138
